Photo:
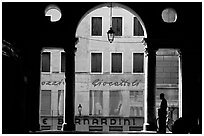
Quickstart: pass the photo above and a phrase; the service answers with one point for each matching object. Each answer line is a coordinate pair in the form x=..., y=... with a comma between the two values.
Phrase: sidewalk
x=94, y=132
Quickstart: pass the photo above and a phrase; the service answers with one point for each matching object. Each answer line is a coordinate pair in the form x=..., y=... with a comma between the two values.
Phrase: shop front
x=110, y=103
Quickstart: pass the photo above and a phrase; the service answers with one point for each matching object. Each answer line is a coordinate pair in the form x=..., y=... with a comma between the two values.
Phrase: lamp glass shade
x=111, y=35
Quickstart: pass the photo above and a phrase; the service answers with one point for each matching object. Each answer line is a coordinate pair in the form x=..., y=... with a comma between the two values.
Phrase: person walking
x=162, y=114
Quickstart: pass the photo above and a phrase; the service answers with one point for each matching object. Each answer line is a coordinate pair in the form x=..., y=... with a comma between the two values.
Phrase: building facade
x=110, y=78
x=52, y=89
x=168, y=80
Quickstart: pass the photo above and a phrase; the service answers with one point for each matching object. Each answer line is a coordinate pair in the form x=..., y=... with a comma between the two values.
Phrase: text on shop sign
x=106, y=121
x=122, y=82
x=53, y=83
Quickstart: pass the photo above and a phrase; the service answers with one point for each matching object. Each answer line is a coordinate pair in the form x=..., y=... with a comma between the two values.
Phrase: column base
x=66, y=127
x=149, y=127
x=145, y=126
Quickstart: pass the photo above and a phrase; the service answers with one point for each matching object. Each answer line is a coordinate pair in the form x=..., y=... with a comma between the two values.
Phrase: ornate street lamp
x=110, y=32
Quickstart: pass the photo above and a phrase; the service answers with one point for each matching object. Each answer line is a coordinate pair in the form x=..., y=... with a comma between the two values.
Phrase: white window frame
x=101, y=62
x=143, y=63
x=111, y=63
x=50, y=62
x=91, y=27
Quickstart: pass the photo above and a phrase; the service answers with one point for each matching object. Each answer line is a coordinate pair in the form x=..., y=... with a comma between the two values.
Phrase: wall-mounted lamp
x=110, y=32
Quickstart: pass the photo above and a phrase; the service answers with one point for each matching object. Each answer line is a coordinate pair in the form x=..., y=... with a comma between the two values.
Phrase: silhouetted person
x=162, y=114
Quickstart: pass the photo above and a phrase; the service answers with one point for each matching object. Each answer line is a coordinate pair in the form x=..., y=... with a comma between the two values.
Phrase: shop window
x=138, y=30
x=117, y=25
x=96, y=102
x=116, y=63
x=138, y=62
x=61, y=102
x=46, y=62
x=96, y=26
x=115, y=105
x=136, y=103
x=46, y=102
x=96, y=62
x=63, y=61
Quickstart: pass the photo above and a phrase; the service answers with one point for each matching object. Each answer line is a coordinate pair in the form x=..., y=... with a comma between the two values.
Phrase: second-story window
x=46, y=62
x=138, y=30
x=96, y=26
x=96, y=62
x=116, y=63
x=138, y=62
x=117, y=25
x=63, y=61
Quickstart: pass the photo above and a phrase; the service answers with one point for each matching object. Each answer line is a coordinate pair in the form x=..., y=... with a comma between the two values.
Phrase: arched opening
x=169, y=82
x=110, y=78
x=52, y=89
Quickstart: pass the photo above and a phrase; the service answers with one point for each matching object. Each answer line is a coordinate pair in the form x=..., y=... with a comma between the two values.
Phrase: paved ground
x=81, y=132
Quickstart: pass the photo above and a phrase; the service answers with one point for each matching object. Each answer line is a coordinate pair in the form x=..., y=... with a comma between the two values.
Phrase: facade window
x=96, y=102
x=138, y=30
x=116, y=101
x=63, y=61
x=46, y=102
x=136, y=103
x=116, y=63
x=117, y=25
x=96, y=26
x=46, y=62
x=96, y=62
x=138, y=62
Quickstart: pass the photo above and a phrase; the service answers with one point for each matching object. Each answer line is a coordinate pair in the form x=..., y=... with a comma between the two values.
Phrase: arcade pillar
x=150, y=96
x=70, y=88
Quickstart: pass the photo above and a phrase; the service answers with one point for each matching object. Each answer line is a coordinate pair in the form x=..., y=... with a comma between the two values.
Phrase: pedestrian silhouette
x=162, y=114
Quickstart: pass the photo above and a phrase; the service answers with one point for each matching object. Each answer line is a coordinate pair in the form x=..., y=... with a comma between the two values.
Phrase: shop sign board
x=87, y=123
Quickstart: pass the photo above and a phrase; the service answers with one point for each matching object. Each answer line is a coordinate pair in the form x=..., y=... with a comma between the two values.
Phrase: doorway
x=169, y=81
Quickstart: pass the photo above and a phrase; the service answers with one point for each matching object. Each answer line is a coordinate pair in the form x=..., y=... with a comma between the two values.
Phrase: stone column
x=70, y=88
x=150, y=124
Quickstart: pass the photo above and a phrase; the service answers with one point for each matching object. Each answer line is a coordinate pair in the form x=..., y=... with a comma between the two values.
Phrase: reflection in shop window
x=60, y=102
x=96, y=102
x=136, y=103
x=115, y=106
x=46, y=102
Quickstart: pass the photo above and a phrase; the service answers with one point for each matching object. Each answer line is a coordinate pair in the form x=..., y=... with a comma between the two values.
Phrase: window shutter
x=63, y=61
x=116, y=63
x=96, y=62
x=46, y=62
x=138, y=62
x=138, y=30
x=117, y=25
x=96, y=26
